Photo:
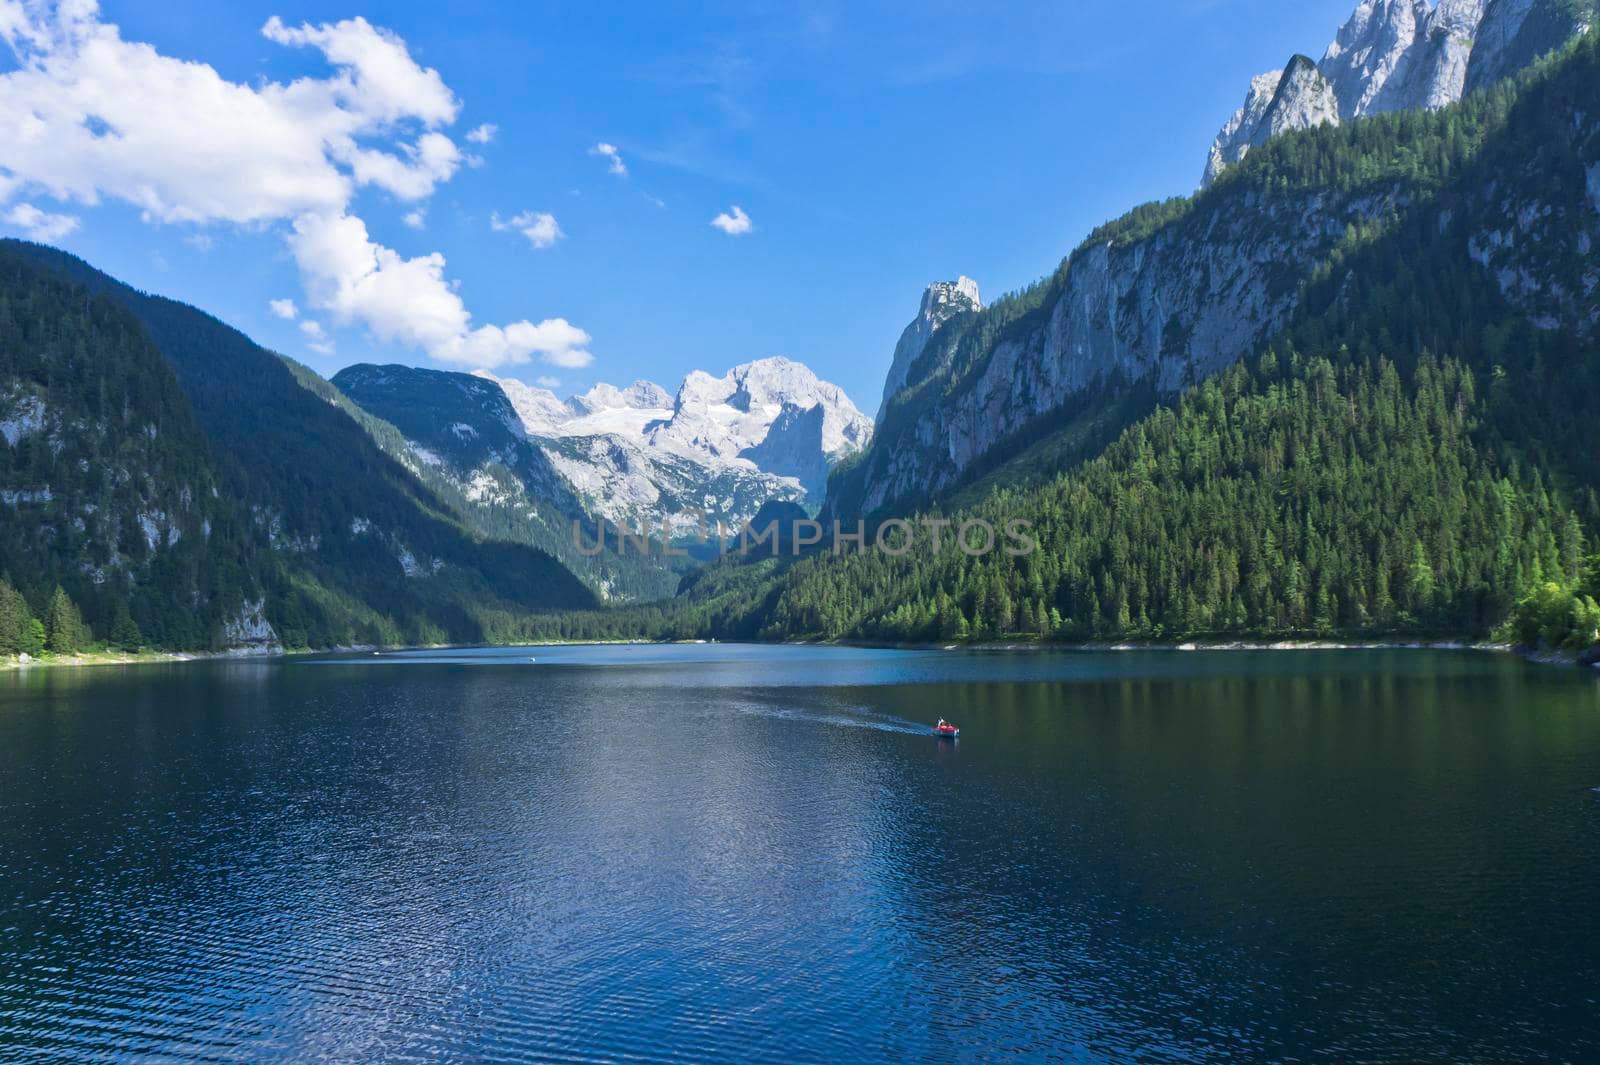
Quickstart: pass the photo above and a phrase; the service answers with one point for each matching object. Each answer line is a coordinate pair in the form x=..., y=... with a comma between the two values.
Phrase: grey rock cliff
x=1372, y=52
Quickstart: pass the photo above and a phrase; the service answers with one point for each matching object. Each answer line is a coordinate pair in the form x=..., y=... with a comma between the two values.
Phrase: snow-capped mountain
x=1396, y=55
x=768, y=429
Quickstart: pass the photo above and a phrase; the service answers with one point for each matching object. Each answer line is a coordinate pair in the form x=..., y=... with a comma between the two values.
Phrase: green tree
x=33, y=638
x=125, y=634
x=14, y=620
x=65, y=631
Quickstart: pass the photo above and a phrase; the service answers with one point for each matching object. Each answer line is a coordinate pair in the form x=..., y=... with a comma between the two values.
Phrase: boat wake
x=853, y=717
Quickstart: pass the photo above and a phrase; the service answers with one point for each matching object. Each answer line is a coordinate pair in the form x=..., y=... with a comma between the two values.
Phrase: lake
x=731, y=853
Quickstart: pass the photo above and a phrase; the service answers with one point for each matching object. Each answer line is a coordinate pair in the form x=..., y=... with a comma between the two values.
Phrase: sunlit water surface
x=726, y=853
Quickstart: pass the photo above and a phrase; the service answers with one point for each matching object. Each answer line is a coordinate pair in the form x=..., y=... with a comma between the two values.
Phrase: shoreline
x=91, y=659
x=1544, y=657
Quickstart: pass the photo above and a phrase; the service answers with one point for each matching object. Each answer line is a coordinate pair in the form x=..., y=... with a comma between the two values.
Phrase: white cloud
x=316, y=337
x=546, y=381
x=410, y=301
x=416, y=219
x=86, y=116
x=736, y=224
x=39, y=224
x=483, y=134
x=538, y=226
x=609, y=151
x=284, y=309
x=377, y=75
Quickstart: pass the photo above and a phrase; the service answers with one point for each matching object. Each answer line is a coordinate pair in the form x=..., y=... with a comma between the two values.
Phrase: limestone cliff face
x=1169, y=309
x=1396, y=55
x=1372, y=53
x=941, y=301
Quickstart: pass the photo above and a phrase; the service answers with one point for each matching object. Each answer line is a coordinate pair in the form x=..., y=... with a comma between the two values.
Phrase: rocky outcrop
x=247, y=631
x=1238, y=132
x=1304, y=99
x=1395, y=55
x=941, y=301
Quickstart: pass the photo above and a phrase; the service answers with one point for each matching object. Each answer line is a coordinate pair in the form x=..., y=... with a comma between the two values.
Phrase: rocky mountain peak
x=1234, y=140
x=641, y=395
x=767, y=429
x=941, y=301
x=729, y=414
x=949, y=297
x=1395, y=55
x=1304, y=99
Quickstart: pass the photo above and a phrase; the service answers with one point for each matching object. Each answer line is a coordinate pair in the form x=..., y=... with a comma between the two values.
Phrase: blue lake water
x=728, y=853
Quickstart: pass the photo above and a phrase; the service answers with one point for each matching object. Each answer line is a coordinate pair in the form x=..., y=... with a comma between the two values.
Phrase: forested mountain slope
x=1504, y=182
x=108, y=488
x=1291, y=498
x=367, y=553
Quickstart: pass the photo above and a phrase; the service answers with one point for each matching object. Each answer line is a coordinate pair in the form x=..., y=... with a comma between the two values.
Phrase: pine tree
x=125, y=634
x=65, y=631
x=14, y=619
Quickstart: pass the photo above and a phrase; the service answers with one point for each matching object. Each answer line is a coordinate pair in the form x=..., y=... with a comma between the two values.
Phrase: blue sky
x=873, y=148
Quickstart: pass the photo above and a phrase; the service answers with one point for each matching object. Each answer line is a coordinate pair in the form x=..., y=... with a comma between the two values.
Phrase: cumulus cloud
x=538, y=226
x=609, y=152
x=483, y=134
x=87, y=116
x=40, y=224
x=416, y=219
x=411, y=302
x=284, y=309
x=377, y=76
x=735, y=224
x=546, y=381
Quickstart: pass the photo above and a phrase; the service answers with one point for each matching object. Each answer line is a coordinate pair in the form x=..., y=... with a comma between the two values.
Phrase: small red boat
x=945, y=730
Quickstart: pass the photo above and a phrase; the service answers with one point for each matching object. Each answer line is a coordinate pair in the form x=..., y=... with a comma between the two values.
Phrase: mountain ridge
x=634, y=455
x=1176, y=291
x=1396, y=55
